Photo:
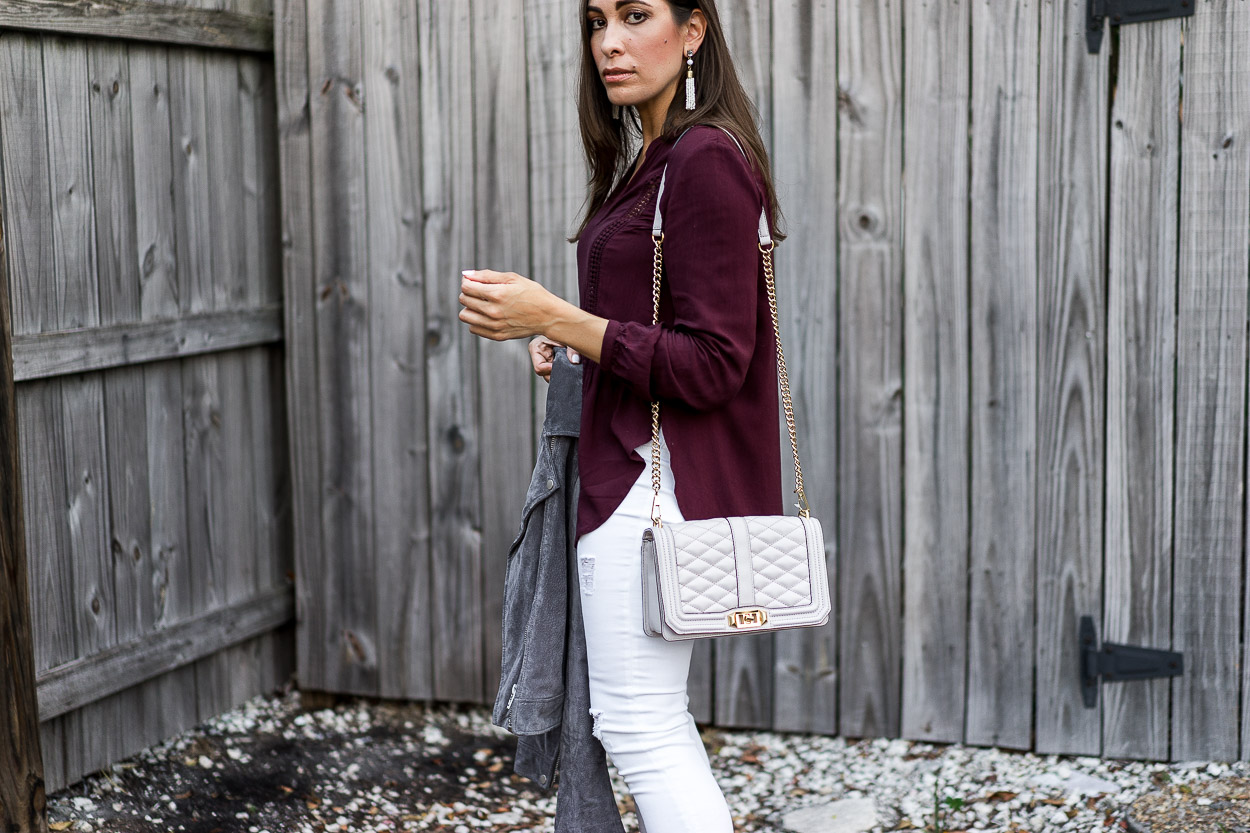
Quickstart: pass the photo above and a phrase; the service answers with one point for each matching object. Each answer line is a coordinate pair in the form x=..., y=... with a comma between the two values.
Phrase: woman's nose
x=611, y=44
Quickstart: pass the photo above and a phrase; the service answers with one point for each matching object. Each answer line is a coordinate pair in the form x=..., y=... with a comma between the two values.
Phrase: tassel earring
x=689, y=79
x=616, y=111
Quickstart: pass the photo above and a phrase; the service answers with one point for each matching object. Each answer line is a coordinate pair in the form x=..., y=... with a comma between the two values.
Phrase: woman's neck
x=652, y=114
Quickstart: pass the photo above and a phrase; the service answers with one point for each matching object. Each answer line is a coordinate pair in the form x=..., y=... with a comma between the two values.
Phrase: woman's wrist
x=571, y=325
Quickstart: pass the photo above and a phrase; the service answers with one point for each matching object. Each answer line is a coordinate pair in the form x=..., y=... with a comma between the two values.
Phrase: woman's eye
x=595, y=23
x=635, y=17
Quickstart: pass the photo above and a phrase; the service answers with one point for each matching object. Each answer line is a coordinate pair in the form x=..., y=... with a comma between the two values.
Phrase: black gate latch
x=1130, y=11
x=1116, y=663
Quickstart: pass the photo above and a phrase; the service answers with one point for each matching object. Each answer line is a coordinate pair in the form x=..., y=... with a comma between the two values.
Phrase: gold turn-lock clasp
x=753, y=618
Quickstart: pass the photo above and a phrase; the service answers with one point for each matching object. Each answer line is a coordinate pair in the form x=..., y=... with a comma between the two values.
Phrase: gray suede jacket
x=544, y=684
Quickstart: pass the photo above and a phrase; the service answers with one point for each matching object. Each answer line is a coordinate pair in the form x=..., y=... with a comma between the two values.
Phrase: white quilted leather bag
x=733, y=575
x=725, y=576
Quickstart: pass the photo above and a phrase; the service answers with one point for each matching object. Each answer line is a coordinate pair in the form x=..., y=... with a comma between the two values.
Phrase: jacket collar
x=564, y=398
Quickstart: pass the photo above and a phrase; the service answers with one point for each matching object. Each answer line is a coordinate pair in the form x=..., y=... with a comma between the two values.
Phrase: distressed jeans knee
x=638, y=698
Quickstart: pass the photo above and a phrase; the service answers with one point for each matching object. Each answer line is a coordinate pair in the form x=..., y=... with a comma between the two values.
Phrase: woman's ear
x=696, y=28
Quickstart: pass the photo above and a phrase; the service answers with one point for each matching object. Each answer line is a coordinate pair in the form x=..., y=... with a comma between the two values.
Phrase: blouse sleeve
x=711, y=260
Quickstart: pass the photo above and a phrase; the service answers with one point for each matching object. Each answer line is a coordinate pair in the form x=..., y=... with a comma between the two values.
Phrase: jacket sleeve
x=711, y=208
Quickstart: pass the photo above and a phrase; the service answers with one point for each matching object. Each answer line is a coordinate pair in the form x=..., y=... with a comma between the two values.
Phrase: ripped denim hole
x=586, y=574
x=597, y=730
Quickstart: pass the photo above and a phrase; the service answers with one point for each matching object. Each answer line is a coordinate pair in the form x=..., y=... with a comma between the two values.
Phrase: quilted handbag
x=725, y=576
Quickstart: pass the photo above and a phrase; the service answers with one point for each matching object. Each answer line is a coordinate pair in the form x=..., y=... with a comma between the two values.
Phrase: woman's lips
x=613, y=77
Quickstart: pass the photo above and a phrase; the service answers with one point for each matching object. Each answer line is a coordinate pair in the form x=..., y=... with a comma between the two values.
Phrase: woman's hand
x=543, y=353
x=503, y=305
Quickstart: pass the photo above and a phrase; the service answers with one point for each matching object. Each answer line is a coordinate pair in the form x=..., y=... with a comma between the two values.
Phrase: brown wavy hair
x=721, y=101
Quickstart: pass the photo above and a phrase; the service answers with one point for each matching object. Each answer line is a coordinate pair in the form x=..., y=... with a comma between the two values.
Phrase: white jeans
x=637, y=682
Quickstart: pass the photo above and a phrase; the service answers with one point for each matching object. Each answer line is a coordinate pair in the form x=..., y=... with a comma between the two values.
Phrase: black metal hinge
x=1116, y=663
x=1130, y=11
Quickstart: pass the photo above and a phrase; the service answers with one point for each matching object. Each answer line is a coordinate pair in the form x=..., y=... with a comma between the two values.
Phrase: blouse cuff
x=628, y=347
x=608, y=351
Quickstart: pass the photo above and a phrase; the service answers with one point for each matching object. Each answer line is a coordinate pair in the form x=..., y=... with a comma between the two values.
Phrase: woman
x=710, y=362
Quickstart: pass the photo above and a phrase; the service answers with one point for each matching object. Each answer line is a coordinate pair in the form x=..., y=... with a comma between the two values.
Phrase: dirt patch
x=359, y=766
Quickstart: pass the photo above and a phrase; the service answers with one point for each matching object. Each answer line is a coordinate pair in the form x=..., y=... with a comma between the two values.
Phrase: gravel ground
x=372, y=766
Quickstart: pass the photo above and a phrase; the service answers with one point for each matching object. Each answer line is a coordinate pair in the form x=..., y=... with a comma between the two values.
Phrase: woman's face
x=639, y=49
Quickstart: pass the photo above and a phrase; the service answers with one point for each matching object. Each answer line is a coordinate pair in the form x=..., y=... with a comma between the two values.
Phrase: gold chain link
x=658, y=261
x=782, y=376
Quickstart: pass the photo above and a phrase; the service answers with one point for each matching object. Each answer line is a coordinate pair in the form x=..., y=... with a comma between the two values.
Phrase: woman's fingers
x=542, y=354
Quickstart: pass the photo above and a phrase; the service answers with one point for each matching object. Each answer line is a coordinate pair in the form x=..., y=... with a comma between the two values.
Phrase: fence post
x=23, y=803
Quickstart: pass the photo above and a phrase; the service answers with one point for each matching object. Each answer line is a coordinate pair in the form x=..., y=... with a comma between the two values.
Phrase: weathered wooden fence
x=1015, y=294
x=139, y=154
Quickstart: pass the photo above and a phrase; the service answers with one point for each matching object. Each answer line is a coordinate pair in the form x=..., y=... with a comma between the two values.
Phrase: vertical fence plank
x=935, y=385
x=557, y=166
x=347, y=581
x=22, y=794
x=28, y=207
x=748, y=28
x=743, y=666
x=1211, y=382
x=128, y=720
x=266, y=388
x=169, y=572
x=233, y=518
x=397, y=328
x=202, y=453
x=870, y=327
x=257, y=388
x=1071, y=348
x=447, y=130
x=1141, y=345
x=294, y=127
x=804, y=105
x=502, y=220
x=1003, y=288
x=1239, y=61
x=86, y=476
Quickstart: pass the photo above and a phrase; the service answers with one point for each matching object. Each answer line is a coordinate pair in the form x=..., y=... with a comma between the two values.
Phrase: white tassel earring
x=689, y=79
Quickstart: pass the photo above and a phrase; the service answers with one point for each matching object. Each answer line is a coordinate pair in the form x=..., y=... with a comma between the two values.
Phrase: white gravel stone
x=853, y=815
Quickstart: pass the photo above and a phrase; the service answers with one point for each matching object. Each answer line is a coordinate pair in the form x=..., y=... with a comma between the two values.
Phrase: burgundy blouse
x=711, y=361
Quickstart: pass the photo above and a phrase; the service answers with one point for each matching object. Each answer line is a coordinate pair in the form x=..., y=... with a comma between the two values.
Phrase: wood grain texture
x=204, y=464
x=1141, y=350
x=743, y=666
x=870, y=386
x=557, y=164
x=28, y=243
x=87, y=561
x=23, y=798
x=401, y=521
x=233, y=518
x=83, y=681
x=1211, y=382
x=1003, y=311
x=299, y=307
x=40, y=355
x=448, y=182
x=168, y=569
x=346, y=579
x=805, y=131
x=130, y=720
x=141, y=20
x=502, y=225
x=936, y=383
x=1071, y=365
x=263, y=385
x=748, y=26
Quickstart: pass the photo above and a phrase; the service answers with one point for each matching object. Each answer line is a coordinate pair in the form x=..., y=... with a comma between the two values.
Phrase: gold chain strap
x=782, y=376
